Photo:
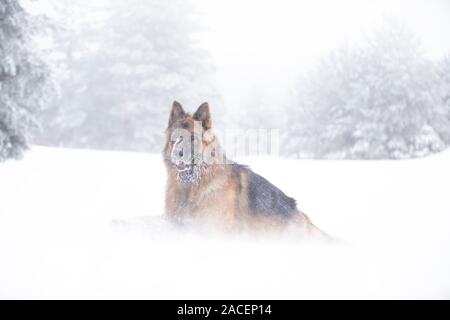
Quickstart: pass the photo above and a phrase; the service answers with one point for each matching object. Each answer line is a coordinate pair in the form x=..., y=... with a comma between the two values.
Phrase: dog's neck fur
x=192, y=177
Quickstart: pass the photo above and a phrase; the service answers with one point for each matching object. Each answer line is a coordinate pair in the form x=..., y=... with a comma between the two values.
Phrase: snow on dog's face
x=190, y=145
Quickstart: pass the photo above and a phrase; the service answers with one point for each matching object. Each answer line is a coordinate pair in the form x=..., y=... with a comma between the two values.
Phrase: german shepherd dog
x=204, y=188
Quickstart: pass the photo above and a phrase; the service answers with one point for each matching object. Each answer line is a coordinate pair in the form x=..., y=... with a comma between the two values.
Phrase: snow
x=72, y=226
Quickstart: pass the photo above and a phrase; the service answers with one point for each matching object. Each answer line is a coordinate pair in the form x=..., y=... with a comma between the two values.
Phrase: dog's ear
x=204, y=115
x=177, y=113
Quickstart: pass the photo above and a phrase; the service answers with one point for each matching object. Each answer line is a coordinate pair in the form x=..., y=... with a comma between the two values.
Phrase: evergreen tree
x=442, y=121
x=374, y=100
x=124, y=69
x=23, y=79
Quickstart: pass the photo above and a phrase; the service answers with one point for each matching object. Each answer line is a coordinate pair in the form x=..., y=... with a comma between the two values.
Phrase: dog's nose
x=180, y=153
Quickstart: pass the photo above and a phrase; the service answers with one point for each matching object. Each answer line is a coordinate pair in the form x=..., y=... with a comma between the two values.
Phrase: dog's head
x=190, y=144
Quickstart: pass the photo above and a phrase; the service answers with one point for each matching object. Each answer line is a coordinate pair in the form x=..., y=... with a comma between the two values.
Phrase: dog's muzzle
x=181, y=167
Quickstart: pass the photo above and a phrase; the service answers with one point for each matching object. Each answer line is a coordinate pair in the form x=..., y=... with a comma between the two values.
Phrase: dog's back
x=264, y=198
x=268, y=207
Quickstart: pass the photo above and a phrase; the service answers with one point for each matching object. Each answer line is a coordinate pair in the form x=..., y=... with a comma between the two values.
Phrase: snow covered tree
x=442, y=119
x=23, y=79
x=126, y=62
x=374, y=100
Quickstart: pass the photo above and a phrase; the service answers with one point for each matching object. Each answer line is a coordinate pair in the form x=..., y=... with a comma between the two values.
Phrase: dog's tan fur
x=222, y=196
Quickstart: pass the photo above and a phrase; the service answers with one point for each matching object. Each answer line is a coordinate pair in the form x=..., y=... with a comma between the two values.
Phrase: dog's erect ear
x=204, y=115
x=177, y=113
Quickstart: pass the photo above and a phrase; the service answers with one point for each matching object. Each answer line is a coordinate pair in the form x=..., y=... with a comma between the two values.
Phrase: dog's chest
x=209, y=199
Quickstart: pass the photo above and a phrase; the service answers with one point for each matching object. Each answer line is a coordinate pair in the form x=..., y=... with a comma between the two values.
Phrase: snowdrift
x=87, y=224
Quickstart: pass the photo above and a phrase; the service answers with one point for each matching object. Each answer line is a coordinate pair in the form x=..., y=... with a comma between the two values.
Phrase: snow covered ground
x=61, y=235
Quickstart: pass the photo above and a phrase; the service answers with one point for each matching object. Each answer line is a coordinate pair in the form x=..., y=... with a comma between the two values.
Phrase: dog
x=205, y=188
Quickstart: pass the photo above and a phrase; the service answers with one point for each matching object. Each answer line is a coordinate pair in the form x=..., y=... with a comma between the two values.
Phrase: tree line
x=107, y=84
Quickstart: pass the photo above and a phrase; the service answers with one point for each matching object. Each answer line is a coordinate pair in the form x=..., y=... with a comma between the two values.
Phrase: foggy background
x=347, y=79
x=337, y=79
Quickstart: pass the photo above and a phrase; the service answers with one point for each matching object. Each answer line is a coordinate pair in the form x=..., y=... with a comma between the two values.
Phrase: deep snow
x=70, y=227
